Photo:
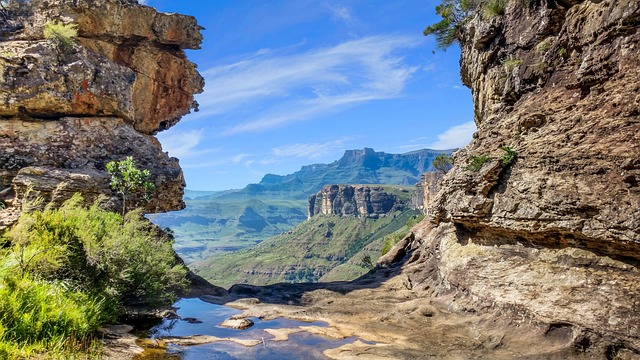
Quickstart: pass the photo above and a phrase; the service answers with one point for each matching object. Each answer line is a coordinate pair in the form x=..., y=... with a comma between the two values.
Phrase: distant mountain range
x=222, y=221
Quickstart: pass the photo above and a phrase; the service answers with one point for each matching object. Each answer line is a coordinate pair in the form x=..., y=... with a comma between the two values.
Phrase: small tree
x=442, y=163
x=127, y=179
x=63, y=34
x=455, y=14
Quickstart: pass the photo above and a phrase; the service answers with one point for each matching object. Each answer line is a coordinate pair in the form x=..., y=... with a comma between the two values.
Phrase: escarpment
x=541, y=211
x=67, y=110
x=356, y=200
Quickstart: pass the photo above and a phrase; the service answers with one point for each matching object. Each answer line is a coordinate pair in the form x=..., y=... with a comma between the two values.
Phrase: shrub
x=454, y=13
x=511, y=63
x=493, y=8
x=544, y=45
x=63, y=34
x=477, y=162
x=442, y=163
x=94, y=250
x=127, y=179
x=509, y=156
x=38, y=317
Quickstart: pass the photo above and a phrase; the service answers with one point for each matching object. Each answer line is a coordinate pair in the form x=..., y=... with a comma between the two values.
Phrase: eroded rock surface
x=65, y=111
x=555, y=233
x=355, y=200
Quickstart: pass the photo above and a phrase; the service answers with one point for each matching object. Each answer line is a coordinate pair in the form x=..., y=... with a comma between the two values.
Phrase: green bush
x=509, y=156
x=38, y=317
x=96, y=250
x=477, y=162
x=493, y=8
x=395, y=237
x=63, y=34
x=442, y=163
x=511, y=63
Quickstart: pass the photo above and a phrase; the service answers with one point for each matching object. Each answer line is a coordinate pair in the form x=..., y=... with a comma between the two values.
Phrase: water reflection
x=300, y=345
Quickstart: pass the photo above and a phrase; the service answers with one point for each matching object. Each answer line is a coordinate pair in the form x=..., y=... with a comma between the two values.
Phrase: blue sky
x=297, y=82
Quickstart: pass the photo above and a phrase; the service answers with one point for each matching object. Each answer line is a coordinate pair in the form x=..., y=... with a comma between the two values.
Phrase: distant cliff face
x=357, y=200
x=67, y=111
x=555, y=232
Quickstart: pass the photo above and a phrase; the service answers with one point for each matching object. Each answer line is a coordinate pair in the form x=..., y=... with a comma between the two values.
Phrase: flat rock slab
x=239, y=324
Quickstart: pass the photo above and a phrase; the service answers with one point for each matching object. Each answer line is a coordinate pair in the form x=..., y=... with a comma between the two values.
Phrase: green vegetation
x=63, y=34
x=477, y=162
x=455, y=14
x=127, y=179
x=493, y=8
x=544, y=45
x=511, y=63
x=224, y=221
x=395, y=237
x=562, y=52
x=65, y=271
x=305, y=253
x=509, y=156
x=443, y=163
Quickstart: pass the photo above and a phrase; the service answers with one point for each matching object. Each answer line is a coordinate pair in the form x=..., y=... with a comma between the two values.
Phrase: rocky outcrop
x=553, y=233
x=65, y=111
x=355, y=200
x=426, y=189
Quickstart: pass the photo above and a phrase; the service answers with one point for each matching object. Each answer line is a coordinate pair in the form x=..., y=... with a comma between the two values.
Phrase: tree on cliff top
x=454, y=15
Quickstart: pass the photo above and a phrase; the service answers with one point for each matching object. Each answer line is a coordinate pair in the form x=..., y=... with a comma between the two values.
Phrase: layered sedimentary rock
x=426, y=189
x=355, y=200
x=553, y=234
x=65, y=111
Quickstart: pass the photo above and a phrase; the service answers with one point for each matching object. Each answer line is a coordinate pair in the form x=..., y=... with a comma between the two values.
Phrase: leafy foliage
x=454, y=13
x=127, y=179
x=443, y=163
x=509, y=156
x=65, y=271
x=63, y=34
x=477, y=162
x=493, y=8
x=511, y=63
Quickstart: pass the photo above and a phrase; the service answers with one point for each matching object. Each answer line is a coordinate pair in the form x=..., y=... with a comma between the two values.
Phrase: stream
x=300, y=345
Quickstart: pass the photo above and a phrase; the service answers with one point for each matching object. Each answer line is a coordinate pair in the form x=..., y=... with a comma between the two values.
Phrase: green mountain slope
x=305, y=253
x=223, y=221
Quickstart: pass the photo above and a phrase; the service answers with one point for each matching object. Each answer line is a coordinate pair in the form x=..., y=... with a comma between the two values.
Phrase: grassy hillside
x=305, y=253
x=209, y=226
x=221, y=221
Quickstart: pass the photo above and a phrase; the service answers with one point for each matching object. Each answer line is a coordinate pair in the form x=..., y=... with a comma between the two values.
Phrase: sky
x=297, y=82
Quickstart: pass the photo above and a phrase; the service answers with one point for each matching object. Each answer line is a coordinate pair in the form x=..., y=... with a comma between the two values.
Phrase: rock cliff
x=356, y=200
x=68, y=110
x=548, y=228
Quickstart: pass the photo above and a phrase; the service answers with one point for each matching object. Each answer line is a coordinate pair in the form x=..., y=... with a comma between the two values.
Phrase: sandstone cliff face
x=354, y=200
x=67, y=111
x=554, y=234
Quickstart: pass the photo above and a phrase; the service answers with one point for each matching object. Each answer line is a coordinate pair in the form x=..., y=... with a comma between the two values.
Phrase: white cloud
x=143, y=2
x=455, y=137
x=285, y=88
x=341, y=13
x=182, y=144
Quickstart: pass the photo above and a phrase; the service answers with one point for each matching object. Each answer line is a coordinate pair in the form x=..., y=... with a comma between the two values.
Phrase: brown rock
x=67, y=111
x=234, y=323
x=356, y=200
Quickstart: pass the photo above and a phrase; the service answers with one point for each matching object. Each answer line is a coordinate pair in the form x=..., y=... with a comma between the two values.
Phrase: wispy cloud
x=183, y=144
x=455, y=137
x=286, y=88
x=340, y=12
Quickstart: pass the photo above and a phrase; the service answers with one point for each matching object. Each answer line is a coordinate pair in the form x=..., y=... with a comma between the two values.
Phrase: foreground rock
x=68, y=110
x=554, y=234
